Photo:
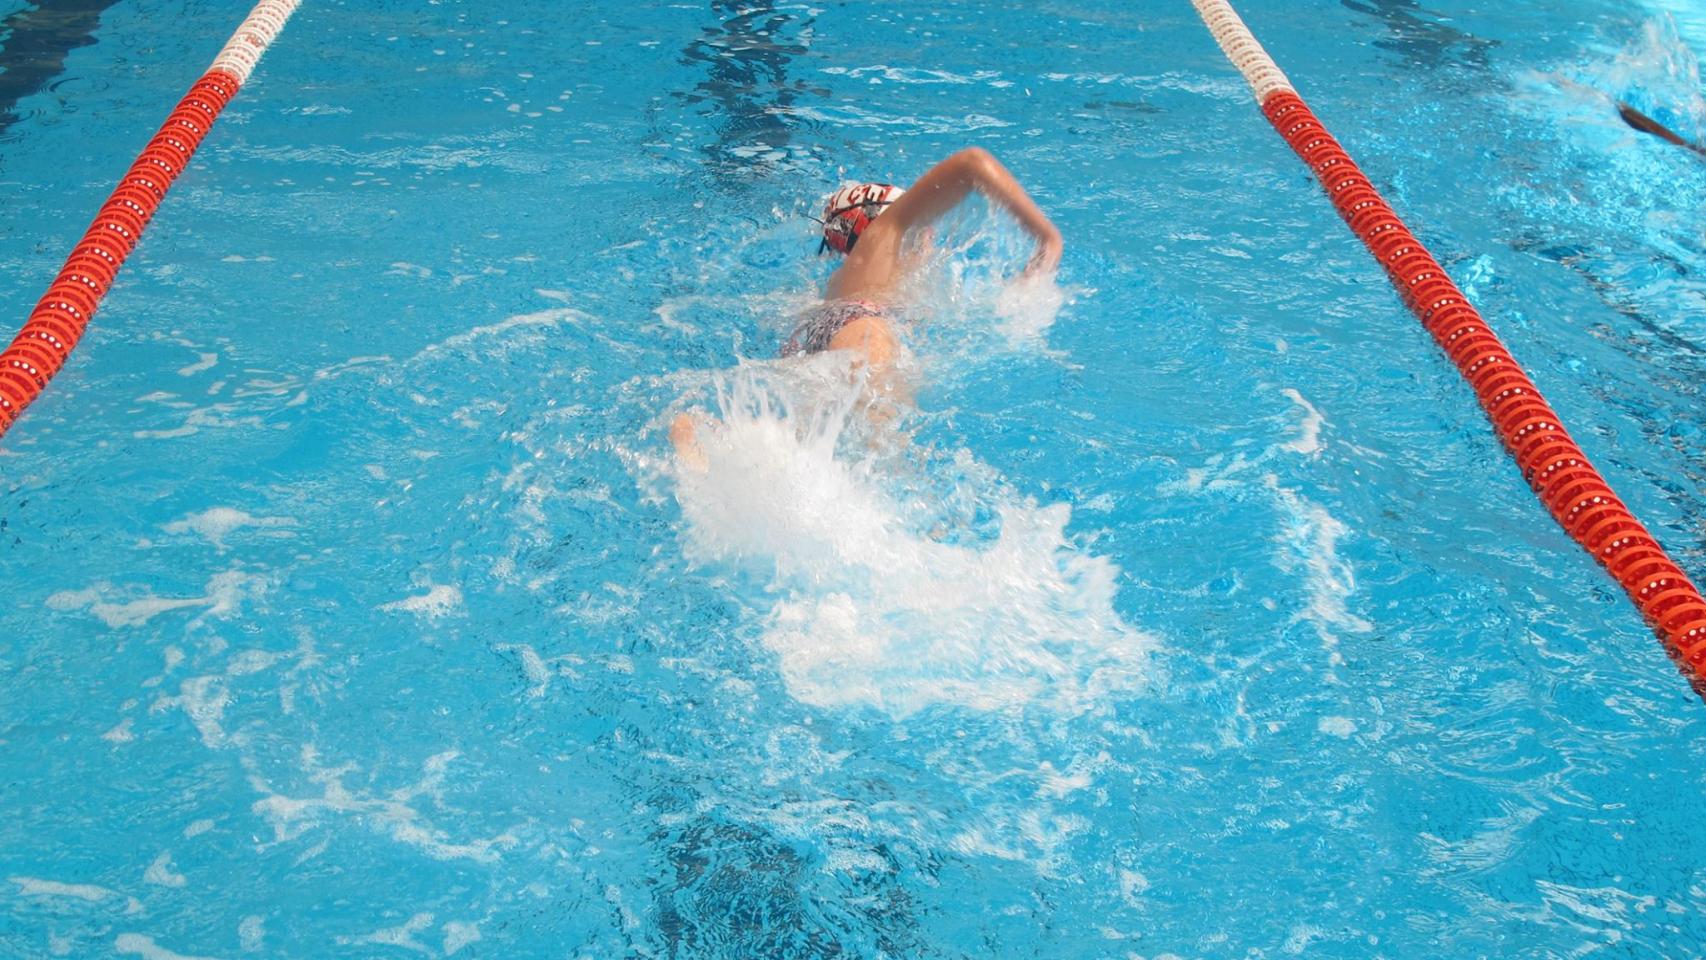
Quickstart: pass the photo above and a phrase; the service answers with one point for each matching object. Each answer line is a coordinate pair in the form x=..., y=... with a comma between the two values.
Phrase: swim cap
x=851, y=209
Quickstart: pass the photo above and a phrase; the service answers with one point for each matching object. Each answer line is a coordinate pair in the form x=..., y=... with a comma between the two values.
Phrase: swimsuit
x=822, y=322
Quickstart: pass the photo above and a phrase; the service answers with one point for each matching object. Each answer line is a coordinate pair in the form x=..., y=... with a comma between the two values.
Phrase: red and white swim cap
x=851, y=209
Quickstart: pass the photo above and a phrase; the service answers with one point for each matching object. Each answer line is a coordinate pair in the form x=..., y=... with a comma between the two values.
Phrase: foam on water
x=440, y=600
x=217, y=523
x=225, y=593
x=391, y=815
x=1306, y=540
x=402, y=935
x=145, y=947
x=160, y=872
x=1310, y=545
x=36, y=887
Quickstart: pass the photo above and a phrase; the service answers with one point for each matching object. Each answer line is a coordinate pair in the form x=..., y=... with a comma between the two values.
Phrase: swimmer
x=868, y=225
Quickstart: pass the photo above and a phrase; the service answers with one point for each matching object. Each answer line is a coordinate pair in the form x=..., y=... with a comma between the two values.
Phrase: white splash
x=1027, y=308
x=970, y=274
x=876, y=605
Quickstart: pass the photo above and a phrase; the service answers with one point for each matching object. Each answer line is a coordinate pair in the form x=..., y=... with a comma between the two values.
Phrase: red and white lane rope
x=1550, y=461
x=59, y=319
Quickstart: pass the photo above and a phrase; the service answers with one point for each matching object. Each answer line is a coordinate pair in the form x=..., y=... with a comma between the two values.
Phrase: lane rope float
x=62, y=315
x=1560, y=473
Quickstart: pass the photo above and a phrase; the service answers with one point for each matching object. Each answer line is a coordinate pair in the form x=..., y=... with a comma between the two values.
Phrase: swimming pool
x=355, y=610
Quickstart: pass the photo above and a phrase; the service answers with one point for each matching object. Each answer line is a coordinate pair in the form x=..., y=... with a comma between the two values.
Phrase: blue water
x=353, y=607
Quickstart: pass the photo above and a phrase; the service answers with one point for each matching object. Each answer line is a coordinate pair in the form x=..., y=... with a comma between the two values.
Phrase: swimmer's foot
x=684, y=433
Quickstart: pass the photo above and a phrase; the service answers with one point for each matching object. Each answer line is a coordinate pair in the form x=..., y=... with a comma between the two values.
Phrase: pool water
x=355, y=607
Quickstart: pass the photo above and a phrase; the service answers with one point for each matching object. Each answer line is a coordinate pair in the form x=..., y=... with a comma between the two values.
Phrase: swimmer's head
x=850, y=210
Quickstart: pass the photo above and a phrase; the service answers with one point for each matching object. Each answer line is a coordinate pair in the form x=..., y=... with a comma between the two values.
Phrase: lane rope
x=62, y=315
x=1560, y=473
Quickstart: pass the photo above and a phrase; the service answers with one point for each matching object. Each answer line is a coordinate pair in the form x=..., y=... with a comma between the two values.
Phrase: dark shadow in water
x=1673, y=364
x=1582, y=262
x=746, y=87
x=40, y=38
x=1422, y=37
x=736, y=890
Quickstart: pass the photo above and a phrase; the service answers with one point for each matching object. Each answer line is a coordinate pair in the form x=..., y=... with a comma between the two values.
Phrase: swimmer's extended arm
x=947, y=183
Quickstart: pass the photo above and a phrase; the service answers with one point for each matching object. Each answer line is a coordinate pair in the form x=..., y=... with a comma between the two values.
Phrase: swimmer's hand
x=1046, y=260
